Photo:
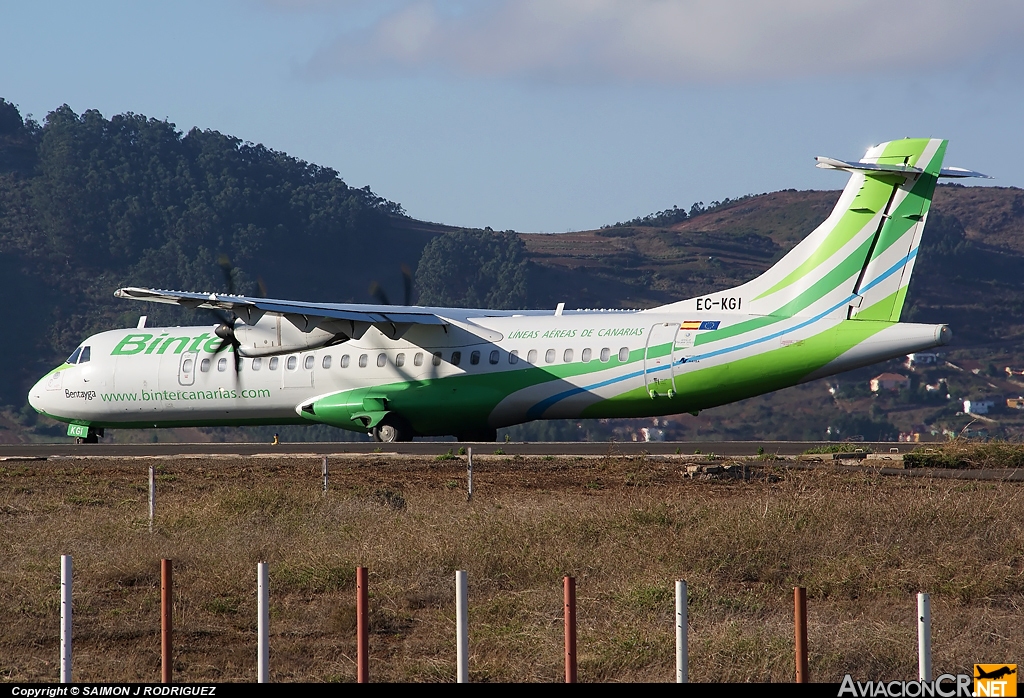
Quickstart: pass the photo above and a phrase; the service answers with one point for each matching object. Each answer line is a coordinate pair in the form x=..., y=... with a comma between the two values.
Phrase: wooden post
x=569, y=589
x=65, y=619
x=800, y=621
x=152, y=497
x=166, y=599
x=469, y=474
x=682, y=625
x=263, y=623
x=462, y=627
x=924, y=637
x=362, y=628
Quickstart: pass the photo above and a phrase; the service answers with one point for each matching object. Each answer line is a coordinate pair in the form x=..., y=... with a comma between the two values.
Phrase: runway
x=432, y=448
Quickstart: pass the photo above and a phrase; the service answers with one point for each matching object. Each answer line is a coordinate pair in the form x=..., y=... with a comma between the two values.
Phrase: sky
x=544, y=115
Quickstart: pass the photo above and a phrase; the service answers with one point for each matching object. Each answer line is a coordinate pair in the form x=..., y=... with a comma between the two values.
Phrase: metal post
x=800, y=621
x=462, y=626
x=569, y=591
x=682, y=625
x=263, y=624
x=924, y=637
x=65, y=619
x=469, y=474
x=362, y=628
x=166, y=597
x=152, y=497
x=325, y=474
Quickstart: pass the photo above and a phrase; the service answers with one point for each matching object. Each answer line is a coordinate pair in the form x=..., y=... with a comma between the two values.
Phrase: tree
x=473, y=269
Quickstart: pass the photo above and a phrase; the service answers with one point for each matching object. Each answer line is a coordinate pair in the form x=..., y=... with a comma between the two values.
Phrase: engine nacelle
x=274, y=334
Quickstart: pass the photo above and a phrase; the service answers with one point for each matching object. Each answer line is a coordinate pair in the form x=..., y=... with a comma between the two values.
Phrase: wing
x=350, y=319
x=252, y=309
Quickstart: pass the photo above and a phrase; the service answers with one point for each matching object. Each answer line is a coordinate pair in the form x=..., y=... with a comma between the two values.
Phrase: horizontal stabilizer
x=869, y=167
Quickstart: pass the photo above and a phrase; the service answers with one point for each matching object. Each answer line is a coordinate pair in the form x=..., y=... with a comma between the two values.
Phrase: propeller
x=378, y=292
x=226, y=329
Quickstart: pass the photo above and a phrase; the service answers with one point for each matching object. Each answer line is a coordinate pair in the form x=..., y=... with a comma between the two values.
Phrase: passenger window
x=274, y=361
x=256, y=363
x=606, y=354
x=204, y=365
x=84, y=358
x=437, y=358
x=344, y=361
x=513, y=357
x=186, y=366
x=567, y=356
x=73, y=359
x=382, y=359
x=549, y=356
x=624, y=354
x=292, y=363
x=531, y=357
x=222, y=365
x=326, y=363
x=362, y=361
x=585, y=356
x=494, y=356
x=308, y=362
x=456, y=358
x=400, y=360
x=418, y=359
x=474, y=358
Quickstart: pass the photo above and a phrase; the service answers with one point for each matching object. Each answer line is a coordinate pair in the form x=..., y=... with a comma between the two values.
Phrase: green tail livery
x=831, y=304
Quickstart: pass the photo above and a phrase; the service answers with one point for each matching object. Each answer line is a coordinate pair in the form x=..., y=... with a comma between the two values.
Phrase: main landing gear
x=479, y=435
x=392, y=429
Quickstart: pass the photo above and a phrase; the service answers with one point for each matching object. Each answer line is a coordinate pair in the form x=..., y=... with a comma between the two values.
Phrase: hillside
x=89, y=203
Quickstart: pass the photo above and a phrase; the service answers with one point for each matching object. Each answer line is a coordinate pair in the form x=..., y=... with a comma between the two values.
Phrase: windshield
x=73, y=359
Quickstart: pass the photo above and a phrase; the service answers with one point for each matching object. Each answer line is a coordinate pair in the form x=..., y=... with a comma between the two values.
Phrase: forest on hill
x=90, y=203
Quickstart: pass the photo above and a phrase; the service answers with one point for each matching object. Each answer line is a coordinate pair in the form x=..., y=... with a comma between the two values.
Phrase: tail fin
x=858, y=262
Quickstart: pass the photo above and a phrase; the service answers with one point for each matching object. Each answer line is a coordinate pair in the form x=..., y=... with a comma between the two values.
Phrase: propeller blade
x=377, y=292
x=229, y=280
x=407, y=283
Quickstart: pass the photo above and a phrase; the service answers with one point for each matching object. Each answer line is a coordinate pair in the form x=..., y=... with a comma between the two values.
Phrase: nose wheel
x=392, y=429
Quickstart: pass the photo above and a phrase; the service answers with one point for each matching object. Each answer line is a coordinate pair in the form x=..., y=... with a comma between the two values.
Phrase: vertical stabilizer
x=858, y=262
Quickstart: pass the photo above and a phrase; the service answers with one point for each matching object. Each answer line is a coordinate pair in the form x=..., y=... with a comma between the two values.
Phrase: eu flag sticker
x=710, y=324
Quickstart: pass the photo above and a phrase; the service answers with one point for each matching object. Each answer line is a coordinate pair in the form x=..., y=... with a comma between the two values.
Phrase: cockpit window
x=73, y=359
x=86, y=351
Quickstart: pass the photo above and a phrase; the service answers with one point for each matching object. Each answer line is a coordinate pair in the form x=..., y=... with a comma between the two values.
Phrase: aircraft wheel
x=392, y=429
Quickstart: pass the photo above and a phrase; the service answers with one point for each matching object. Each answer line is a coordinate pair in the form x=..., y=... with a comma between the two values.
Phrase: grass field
x=862, y=544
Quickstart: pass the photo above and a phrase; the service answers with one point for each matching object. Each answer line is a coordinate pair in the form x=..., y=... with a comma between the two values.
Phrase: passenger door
x=659, y=359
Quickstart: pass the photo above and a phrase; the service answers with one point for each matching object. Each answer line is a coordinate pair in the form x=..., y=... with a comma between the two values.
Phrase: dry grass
x=863, y=545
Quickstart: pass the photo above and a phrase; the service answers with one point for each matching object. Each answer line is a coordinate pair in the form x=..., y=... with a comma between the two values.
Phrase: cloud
x=672, y=41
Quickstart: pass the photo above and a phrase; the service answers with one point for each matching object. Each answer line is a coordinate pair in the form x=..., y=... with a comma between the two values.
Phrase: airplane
x=831, y=304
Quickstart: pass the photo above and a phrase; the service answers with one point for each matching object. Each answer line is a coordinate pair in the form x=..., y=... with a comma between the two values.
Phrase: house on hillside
x=978, y=406
x=922, y=358
x=1014, y=372
x=1015, y=403
x=889, y=381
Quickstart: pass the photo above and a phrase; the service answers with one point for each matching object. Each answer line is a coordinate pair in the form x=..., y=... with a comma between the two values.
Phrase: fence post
x=682, y=625
x=166, y=600
x=924, y=637
x=152, y=497
x=800, y=622
x=569, y=592
x=325, y=474
x=65, y=619
x=462, y=626
x=362, y=628
x=469, y=474
x=263, y=623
